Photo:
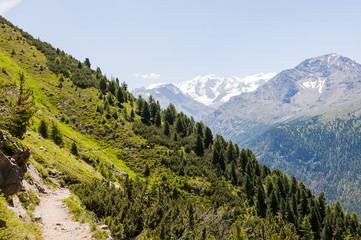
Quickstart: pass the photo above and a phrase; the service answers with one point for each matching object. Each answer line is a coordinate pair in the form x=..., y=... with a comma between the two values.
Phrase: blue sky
x=147, y=41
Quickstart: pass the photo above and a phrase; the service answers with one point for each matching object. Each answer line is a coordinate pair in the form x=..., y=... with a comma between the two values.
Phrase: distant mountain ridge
x=213, y=90
x=314, y=86
x=202, y=95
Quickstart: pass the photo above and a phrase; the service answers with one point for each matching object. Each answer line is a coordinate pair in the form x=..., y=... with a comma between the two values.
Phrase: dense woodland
x=181, y=181
x=313, y=149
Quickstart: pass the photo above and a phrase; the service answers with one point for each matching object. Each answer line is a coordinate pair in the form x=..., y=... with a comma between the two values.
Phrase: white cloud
x=6, y=5
x=147, y=75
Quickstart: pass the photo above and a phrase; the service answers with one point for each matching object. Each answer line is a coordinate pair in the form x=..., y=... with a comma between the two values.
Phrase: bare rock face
x=12, y=166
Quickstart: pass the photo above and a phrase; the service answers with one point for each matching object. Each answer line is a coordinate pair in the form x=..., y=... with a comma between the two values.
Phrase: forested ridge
x=325, y=150
x=149, y=172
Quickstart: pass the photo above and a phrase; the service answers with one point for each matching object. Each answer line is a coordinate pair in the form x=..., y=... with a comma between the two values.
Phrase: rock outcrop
x=12, y=165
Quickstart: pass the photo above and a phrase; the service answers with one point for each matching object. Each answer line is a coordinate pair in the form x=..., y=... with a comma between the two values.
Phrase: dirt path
x=57, y=222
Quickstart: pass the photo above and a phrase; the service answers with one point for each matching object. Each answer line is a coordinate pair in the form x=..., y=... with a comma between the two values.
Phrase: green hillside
x=324, y=151
x=147, y=172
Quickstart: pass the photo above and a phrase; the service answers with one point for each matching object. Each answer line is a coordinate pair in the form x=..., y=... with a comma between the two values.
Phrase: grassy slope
x=42, y=82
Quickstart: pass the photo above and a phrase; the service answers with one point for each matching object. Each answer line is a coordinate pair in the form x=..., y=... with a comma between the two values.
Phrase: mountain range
x=200, y=96
x=316, y=85
x=305, y=120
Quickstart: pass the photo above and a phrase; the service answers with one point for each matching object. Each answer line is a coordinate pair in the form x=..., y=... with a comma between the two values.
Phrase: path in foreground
x=57, y=222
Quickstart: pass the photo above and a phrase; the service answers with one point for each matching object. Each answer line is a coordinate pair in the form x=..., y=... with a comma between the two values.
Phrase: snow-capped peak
x=155, y=85
x=213, y=90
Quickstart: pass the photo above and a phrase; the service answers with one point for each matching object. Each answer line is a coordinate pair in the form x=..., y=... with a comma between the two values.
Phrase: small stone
x=104, y=227
x=53, y=172
x=37, y=217
x=43, y=148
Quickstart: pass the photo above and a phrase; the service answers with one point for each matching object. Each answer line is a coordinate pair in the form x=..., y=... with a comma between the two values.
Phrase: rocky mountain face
x=12, y=166
x=200, y=96
x=314, y=86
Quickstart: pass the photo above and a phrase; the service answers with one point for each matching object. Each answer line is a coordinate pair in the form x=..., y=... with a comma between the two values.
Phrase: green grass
x=84, y=216
x=17, y=228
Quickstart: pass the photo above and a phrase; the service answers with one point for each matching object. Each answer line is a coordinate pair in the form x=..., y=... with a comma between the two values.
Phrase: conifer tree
x=87, y=62
x=166, y=130
x=199, y=148
x=218, y=153
x=120, y=96
x=231, y=152
x=132, y=115
x=158, y=119
x=145, y=112
x=208, y=139
x=55, y=135
x=261, y=202
x=307, y=233
x=103, y=84
x=16, y=113
x=74, y=149
x=146, y=170
x=43, y=129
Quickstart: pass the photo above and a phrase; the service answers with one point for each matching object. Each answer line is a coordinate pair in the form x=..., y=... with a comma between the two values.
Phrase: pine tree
x=208, y=139
x=218, y=153
x=74, y=149
x=261, y=202
x=231, y=152
x=166, y=130
x=238, y=232
x=146, y=170
x=43, y=129
x=199, y=150
x=120, y=96
x=87, y=62
x=103, y=84
x=307, y=233
x=132, y=115
x=274, y=203
x=170, y=114
x=158, y=119
x=55, y=135
x=199, y=127
x=16, y=113
x=112, y=87
x=145, y=112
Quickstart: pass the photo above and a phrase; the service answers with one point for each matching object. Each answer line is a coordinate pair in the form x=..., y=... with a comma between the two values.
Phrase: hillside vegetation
x=324, y=151
x=148, y=172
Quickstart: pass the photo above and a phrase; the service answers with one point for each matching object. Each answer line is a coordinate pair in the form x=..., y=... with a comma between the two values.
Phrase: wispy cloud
x=6, y=5
x=147, y=75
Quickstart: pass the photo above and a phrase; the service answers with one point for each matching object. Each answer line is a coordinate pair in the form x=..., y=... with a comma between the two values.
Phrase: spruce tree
x=120, y=96
x=56, y=135
x=17, y=112
x=199, y=148
x=166, y=130
x=43, y=129
x=87, y=62
x=158, y=119
x=208, y=139
x=146, y=170
x=74, y=149
x=306, y=231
